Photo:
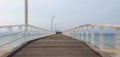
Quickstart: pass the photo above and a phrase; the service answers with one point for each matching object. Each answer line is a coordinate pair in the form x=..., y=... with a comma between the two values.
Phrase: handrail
x=41, y=28
x=10, y=34
x=83, y=30
x=100, y=25
x=12, y=26
x=28, y=33
x=11, y=41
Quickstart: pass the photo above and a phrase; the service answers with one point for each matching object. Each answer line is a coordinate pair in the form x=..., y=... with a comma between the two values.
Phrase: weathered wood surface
x=56, y=46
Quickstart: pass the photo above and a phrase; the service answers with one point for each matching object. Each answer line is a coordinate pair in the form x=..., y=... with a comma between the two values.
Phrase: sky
x=68, y=13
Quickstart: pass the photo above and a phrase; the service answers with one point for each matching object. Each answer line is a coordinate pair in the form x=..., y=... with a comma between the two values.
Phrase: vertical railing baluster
x=10, y=37
x=31, y=32
x=26, y=31
x=79, y=30
x=92, y=35
x=75, y=34
x=39, y=33
x=117, y=41
x=87, y=33
x=20, y=33
x=35, y=32
x=78, y=33
x=82, y=33
x=118, y=38
x=101, y=33
x=32, y=28
x=10, y=30
x=72, y=34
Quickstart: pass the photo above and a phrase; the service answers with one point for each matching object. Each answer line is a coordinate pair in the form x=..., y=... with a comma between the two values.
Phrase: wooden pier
x=56, y=45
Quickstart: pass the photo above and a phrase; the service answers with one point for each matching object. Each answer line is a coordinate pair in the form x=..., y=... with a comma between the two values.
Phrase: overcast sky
x=69, y=13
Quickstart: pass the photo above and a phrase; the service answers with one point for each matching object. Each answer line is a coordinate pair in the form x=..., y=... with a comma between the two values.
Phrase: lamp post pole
x=52, y=23
x=26, y=19
x=26, y=12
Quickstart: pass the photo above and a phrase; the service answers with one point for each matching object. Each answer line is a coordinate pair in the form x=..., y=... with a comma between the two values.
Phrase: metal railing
x=96, y=35
x=15, y=35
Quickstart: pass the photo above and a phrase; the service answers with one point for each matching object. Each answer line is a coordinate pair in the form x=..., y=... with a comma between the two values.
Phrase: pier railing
x=104, y=39
x=15, y=35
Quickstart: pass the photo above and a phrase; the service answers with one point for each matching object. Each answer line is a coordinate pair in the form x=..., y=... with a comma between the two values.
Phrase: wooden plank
x=56, y=46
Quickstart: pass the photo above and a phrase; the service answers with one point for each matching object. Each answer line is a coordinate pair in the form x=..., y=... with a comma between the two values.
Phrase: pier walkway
x=56, y=45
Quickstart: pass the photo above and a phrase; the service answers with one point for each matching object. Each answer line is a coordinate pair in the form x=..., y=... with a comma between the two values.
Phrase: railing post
x=73, y=32
x=31, y=30
x=20, y=31
x=81, y=33
x=39, y=33
x=87, y=33
x=118, y=38
x=35, y=32
x=10, y=30
x=79, y=30
x=26, y=31
x=101, y=33
x=20, y=28
x=10, y=38
x=92, y=35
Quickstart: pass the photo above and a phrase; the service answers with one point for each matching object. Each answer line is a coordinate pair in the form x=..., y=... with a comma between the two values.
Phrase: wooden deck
x=56, y=46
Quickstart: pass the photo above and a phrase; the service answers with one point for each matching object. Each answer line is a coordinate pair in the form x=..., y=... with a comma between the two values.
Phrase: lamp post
x=52, y=22
x=26, y=18
x=26, y=12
